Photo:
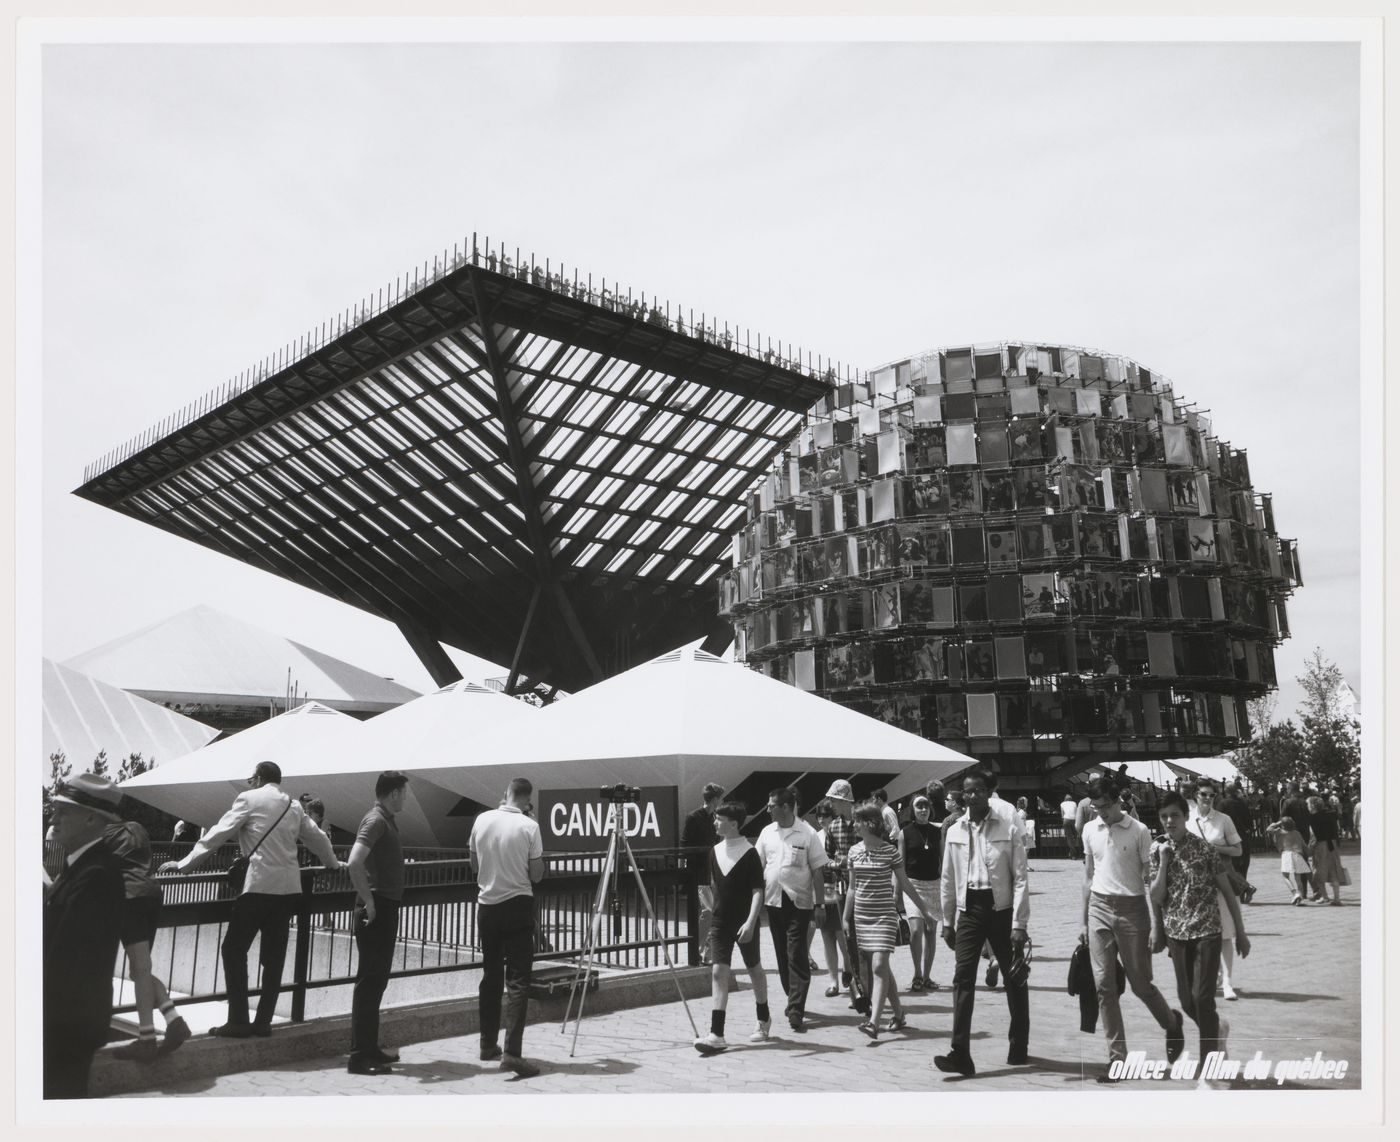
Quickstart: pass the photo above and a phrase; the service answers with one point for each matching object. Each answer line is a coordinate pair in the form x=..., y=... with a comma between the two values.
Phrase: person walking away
x=1188, y=876
x=1216, y=829
x=507, y=853
x=1118, y=919
x=1325, y=855
x=82, y=928
x=792, y=861
x=375, y=866
x=698, y=838
x=267, y=824
x=1234, y=806
x=920, y=848
x=1067, y=811
x=876, y=867
x=984, y=890
x=129, y=842
x=736, y=875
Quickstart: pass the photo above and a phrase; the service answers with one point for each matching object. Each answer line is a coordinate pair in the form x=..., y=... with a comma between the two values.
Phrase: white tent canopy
x=201, y=785
x=437, y=730
x=684, y=719
x=84, y=716
x=1216, y=768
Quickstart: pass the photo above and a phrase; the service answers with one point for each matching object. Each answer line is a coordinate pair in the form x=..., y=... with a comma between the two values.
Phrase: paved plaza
x=1299, y=994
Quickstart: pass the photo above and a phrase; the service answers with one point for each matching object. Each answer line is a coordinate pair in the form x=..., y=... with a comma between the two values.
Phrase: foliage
x=1332, y=755
x=1276, y=755
x=157, y=823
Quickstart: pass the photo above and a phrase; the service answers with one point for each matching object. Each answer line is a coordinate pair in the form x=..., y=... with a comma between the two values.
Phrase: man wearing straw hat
x=82, y=927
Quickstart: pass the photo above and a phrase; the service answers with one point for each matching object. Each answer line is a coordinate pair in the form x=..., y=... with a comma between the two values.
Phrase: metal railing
x=523, y=266
x=438, y=924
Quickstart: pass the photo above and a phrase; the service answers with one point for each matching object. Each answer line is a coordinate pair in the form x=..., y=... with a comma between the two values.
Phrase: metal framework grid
x=528, y=471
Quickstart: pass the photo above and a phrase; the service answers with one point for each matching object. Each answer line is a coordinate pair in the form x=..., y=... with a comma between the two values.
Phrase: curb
x=207, y=1057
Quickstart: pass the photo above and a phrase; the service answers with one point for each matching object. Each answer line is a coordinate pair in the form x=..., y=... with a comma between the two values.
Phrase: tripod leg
x=584, y=970
x=609, y=871
x=656, y=929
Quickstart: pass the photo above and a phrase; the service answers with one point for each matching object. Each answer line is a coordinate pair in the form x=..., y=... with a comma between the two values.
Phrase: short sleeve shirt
x=734, y=889
x=790, y=856
x=1190, y=911
x=1119, y=855
x=379, y=833
x=503, y=843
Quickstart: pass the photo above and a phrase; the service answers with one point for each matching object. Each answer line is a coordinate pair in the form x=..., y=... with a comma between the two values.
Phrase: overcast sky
x=1191, y=206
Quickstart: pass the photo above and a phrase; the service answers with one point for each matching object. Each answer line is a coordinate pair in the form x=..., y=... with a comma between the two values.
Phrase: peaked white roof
x=683, y=719
x=204, y=655
x=84, y=715
x=201, y=785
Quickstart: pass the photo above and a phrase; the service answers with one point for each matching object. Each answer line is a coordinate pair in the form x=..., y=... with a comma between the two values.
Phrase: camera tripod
x=609, y=885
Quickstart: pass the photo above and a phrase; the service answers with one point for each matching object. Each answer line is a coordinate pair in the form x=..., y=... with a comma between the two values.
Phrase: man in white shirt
x=268, y=823
x=793, y=856
x=1067, y=810
x=507, y=853
x=1118, y=919
x=1218, y=830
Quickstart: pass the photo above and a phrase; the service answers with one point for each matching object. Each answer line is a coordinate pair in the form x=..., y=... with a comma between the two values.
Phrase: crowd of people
x=1175, y=878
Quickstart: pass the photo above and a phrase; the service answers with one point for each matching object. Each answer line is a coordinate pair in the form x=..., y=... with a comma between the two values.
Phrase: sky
x=1191, y=206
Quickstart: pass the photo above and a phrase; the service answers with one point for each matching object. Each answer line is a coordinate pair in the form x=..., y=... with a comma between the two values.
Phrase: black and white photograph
x=425, y=430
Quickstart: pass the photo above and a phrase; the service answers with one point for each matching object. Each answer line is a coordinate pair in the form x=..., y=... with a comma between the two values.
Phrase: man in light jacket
x=984, y=884
x=268, y=823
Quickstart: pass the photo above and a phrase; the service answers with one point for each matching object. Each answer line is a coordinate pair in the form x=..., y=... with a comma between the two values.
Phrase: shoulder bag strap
x=275, y=823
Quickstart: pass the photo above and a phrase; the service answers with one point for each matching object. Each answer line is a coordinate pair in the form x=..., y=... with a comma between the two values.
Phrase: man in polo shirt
x=793, y=857
x=507, y=853
x=1187, y=874
x=376, y=870
x=984, y=885
x=1118, y=919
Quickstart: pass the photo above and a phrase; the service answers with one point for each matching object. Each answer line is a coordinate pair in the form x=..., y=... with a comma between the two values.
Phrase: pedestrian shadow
x=1287, y=996
x=444, y=1071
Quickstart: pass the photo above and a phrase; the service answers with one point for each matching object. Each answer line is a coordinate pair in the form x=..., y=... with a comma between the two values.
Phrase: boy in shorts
x=736, y=876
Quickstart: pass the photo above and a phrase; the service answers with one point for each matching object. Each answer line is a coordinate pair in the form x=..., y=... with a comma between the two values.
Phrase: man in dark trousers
x=375, y=865
x=267, y=823
x=507, y=853
x=699, y=837
x=82, y=927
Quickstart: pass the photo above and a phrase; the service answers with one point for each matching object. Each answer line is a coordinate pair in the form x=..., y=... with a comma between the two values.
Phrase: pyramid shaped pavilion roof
x=204, y=655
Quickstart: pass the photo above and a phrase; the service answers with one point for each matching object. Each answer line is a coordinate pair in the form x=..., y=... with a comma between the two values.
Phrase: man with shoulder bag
x=267, y=824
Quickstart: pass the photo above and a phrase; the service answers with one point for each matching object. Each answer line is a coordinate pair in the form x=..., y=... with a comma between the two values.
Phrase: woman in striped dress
x=870, y=907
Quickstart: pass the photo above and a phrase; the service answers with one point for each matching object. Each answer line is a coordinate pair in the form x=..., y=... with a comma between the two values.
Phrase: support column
x=440, y=668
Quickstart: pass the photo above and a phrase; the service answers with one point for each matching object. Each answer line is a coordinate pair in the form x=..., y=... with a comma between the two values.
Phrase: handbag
x=1020, y=969
x=237, y=872
x=902, y=938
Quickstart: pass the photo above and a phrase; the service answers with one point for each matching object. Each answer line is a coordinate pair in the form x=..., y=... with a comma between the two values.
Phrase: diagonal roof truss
x=514, y=467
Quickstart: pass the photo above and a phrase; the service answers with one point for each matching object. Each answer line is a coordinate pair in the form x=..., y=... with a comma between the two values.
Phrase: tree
x=1278, y=754
x=1331, y=739
x=159, y=824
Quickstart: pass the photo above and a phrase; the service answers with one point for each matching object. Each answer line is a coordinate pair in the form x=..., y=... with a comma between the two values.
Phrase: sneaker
x=955, y=1063
x=711, y=1044
x=176, y=1032
x=1176, y=1037
x=760, y=1034
x=142, y=1050
x=1230, y=992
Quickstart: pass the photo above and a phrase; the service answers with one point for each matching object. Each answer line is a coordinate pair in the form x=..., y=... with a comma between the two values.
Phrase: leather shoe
x=516, y=1065
x=381, y=1055
x=262, y=1030
x=357, y=1066
x=490, y=1053
x=1176, y=1037
x=955, y=1063
x=232, y=1031
x=176, y=1032
x=1017, y=1057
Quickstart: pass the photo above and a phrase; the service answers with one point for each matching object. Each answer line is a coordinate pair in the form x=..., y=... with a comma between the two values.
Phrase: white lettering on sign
x=592, y=821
